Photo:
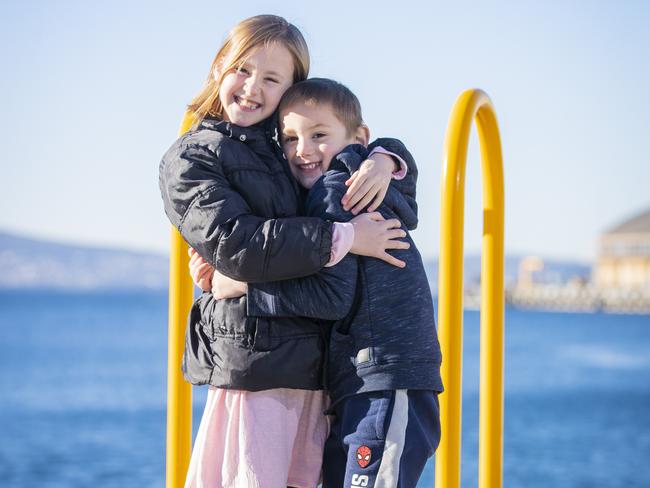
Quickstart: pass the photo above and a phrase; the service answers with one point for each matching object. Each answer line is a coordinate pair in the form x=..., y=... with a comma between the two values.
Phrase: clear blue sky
x=92, y=94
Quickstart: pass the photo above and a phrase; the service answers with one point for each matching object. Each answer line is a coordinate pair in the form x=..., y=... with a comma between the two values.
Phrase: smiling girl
x=228, y=190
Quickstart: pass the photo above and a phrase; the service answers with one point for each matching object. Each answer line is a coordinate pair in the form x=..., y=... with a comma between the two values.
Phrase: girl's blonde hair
x=261, y=30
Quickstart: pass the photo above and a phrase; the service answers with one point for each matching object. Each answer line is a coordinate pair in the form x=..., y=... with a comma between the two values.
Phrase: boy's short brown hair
x=317, y=91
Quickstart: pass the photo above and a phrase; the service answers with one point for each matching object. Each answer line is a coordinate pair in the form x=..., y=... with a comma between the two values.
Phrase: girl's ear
x=362, y=135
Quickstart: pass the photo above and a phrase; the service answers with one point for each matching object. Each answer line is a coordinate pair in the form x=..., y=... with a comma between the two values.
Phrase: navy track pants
x=381, y=439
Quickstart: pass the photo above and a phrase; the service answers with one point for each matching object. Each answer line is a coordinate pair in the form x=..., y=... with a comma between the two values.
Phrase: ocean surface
x=82, y=395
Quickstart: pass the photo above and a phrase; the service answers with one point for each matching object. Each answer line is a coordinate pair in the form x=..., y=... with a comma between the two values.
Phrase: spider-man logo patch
x=363, y=456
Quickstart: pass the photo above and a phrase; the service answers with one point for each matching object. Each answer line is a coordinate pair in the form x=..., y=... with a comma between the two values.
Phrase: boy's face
x=311, y=136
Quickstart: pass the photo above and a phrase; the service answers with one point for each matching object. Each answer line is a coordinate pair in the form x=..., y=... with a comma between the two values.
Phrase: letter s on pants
x=359, y=480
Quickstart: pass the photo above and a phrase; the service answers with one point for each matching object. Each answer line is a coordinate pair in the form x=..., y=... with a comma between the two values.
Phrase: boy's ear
x=362, y=135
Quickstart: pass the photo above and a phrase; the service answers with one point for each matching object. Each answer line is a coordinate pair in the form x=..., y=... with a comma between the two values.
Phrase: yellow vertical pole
x=492, y=303
x=471, y=105
x=179, y=392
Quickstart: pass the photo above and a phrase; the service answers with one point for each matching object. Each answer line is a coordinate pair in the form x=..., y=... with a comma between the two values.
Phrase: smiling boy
x=383, y=372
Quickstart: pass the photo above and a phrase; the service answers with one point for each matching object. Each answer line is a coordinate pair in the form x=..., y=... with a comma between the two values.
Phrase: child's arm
x=406, y=184
x=218, y=223
x=398, y=148
x=368, y=185
x=216, y=220
x=327, y=294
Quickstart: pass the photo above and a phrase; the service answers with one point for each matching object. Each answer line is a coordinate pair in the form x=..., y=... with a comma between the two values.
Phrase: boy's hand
x=200, y=270
x=224, y=287
x=373, y=235
x=369, y=183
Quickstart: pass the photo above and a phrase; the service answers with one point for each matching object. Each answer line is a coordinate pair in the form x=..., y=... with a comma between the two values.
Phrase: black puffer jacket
x=233, y=199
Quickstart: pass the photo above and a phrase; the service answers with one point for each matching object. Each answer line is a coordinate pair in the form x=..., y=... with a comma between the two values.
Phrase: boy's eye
x=272, y=80
x=288, y=139
x=319, y=135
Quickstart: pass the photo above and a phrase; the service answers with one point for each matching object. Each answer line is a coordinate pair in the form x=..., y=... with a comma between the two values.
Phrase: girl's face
x=252, y=92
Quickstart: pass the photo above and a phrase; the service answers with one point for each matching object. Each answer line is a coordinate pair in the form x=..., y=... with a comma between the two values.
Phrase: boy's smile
x=311, y=136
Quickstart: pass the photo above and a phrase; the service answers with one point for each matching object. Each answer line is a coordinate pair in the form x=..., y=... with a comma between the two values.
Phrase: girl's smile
x=251, y=92
x=247, y=105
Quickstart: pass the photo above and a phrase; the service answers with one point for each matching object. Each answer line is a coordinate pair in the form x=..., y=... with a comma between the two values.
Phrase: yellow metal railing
x=471, y=105
x=179, y=392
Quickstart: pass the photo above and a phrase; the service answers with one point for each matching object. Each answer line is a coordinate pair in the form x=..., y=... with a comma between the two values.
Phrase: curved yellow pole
x=179, y=392
x=471, y=105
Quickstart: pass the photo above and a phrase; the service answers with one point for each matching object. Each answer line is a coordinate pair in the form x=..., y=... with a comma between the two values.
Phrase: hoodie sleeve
x=216, y=221
x=328, y=294
x=396, y=146
x=407, y=185
x=351, y=158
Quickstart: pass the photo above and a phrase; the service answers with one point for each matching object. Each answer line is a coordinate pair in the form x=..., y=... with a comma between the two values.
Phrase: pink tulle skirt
x=265, y=439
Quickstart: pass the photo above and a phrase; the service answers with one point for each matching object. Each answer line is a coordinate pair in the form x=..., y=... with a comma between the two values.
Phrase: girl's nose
x=251, y=86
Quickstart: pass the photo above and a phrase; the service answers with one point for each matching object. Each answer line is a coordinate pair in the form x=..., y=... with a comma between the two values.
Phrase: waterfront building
x=620, y=281
x=624, y=255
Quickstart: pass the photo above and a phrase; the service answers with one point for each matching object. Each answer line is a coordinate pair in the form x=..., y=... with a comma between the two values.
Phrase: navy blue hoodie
x=384, y=334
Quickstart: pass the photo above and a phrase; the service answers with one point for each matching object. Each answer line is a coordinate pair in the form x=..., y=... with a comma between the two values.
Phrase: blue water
x=82, y=395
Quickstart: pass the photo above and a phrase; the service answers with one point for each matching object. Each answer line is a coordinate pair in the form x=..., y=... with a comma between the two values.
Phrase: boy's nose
x=303, y=148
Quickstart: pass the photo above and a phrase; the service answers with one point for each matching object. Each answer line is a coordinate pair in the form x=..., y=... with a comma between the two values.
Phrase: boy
x=383, y=371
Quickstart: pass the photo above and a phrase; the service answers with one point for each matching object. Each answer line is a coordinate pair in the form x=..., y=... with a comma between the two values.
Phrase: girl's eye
x=319, y=135
x=242, y=70
x=272, y=80
x=288, y=139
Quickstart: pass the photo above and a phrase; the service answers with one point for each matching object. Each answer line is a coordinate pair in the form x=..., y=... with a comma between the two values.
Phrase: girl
x=227, y=189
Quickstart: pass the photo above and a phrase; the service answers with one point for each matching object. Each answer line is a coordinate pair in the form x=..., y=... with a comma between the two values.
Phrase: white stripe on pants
x=388, y=473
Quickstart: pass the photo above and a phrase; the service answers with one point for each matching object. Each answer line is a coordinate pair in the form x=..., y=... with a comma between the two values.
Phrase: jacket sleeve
x=328, y=294
x=217, y=221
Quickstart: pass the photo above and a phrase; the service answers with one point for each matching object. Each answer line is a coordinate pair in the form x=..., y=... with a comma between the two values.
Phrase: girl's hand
x=200, y=270
x=224, y=287
x=373, y=235
x=369, y=183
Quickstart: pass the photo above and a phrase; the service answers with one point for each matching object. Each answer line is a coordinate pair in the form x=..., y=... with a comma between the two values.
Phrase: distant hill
x=27, y=263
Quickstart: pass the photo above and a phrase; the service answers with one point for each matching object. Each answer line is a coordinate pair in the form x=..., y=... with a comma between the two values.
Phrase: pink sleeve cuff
x=342, y=239
x=397, y=175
